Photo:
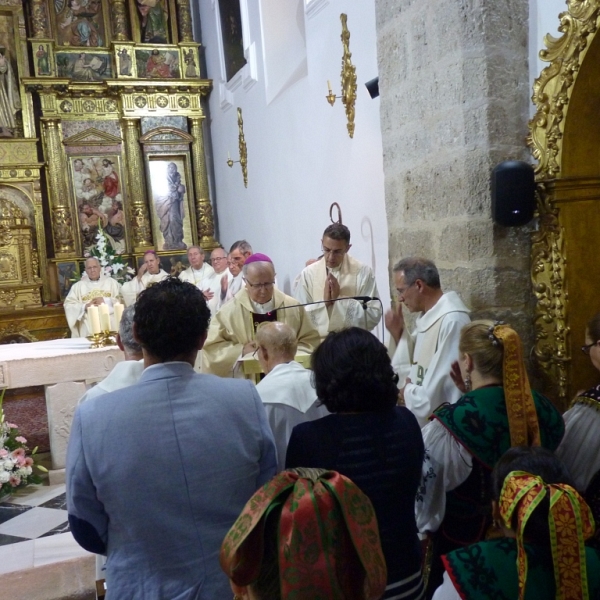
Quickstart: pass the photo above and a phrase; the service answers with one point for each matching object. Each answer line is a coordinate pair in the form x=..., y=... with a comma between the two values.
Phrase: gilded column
x=62, y=222
x=204, y=212
x=184, y=21
x=118, y=17
x=39, y=19
x=139, y=213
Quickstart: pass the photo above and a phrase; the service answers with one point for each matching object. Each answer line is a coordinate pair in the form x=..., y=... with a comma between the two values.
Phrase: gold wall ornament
x=348, y=79
x=184, y=19
x=39, y=19
x=205, y=223
x=552, y=92
x=243, y=160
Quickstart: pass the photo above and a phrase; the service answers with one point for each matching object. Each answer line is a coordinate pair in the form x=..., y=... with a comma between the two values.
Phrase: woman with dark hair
x=370, y=440
x=545, y=523
x=464, y=440
x=306, y=534
x=580, y=448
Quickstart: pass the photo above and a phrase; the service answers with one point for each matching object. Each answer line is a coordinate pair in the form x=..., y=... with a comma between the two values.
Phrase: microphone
x=363, y=299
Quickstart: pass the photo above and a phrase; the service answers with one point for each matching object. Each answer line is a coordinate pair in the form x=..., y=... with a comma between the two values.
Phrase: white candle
x=94, y=319
x=104, y=317
x=329, y=85
x=118, y=308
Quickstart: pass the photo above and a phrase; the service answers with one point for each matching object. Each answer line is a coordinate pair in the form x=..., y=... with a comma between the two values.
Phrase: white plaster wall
x=543, y=19
x=300, y=158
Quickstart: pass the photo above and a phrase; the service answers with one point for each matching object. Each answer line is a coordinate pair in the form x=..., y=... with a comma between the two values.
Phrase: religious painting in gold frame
x=43, y=58
x=84, y=66
x=98, y=191
x=81, y=23
x=154, y=63
x=172, y=264
x=68, y=272
x=12, y=68
x=170, y=190
x=153, y=21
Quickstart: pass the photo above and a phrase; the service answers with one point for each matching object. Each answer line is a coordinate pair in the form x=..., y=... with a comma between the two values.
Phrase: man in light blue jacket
x=158, y=472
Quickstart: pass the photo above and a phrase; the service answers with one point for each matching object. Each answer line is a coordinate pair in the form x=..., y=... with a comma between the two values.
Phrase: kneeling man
x=287, y=390
x=233, y=329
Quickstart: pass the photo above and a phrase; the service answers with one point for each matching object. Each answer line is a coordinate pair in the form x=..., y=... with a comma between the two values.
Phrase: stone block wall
x=453, y=78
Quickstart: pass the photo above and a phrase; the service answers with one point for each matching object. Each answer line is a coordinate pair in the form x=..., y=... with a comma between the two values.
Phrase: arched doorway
x=565, y=138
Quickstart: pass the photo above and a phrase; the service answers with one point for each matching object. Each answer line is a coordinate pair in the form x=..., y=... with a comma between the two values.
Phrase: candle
x=118, y=308
x=104, y=317
x=329, y=85
x=94, y=318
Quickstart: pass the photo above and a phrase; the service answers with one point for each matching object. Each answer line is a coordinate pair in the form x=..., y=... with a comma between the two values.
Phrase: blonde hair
x=278, y=338
x=487, y=352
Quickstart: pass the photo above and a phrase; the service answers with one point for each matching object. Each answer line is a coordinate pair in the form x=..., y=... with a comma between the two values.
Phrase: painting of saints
x=43, y=66
x=154, y=17
x=124, y=62
x=157, y=66
x=80, y=23
x=171, y=210
x=92, y=70
x=111, y=179
x=89, y=220
x=10, y=100
x=190, y=69
x=233, y=41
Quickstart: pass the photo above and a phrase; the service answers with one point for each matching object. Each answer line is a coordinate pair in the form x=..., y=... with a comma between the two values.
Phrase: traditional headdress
x=522, y=417
x=570, y=523
x=328, y=538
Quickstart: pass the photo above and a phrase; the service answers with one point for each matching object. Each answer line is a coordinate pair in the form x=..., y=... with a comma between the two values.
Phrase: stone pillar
x=454, y=91
x=204, y=213
x=62, y=223
x=139, y=212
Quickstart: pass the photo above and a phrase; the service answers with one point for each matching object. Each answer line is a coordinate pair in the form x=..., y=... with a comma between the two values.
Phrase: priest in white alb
x=286, y=391
x=338, y=275
x=213, y=285
x=93, y=289
x=232, y=330
x=199, y=272
x=148, y=274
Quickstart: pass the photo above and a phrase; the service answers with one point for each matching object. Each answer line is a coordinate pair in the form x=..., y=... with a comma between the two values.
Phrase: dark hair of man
x=337, y=231
x=352, y=372
x=593, y=328
x=242, y=245
x=170, y=317
x=415, y=267
x=536, y=461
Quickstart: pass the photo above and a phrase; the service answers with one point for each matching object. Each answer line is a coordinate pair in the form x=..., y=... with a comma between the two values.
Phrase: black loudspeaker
x=373, y=87
x=513, y=193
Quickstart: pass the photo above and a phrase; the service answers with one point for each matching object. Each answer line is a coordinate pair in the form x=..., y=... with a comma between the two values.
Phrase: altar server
x=198, y=272
x=148, y=274
x=92, y=290
x=338, y=275
x=231, y=334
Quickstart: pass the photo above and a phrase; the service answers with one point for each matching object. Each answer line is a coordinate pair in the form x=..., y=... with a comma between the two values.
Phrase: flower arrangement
x=16, y=468
x=112, y=262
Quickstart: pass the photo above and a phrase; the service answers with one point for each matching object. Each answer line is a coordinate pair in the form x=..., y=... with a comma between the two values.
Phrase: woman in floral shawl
x=464, y=440
x=545, y=523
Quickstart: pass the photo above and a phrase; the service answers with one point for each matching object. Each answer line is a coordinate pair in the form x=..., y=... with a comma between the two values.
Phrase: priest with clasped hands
x=93, y=290
x=232, y=331
x=148, y=274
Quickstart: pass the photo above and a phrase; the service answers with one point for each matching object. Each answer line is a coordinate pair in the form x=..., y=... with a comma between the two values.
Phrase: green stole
x=489, y=570
x=479, y=422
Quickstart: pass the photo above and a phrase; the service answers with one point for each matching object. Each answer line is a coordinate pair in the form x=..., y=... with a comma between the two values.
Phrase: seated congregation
x=429, y=469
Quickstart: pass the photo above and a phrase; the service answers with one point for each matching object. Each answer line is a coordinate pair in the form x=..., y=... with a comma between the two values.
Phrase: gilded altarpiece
x=107, y=131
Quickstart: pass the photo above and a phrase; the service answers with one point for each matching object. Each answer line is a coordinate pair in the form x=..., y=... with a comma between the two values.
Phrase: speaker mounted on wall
x=513, y=193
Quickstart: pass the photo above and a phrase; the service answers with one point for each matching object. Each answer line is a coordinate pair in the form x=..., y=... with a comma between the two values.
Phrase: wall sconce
x=348, y=82
x=243, y=160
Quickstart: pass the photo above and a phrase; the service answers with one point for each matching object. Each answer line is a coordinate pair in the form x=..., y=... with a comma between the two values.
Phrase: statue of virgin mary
x=10, y=100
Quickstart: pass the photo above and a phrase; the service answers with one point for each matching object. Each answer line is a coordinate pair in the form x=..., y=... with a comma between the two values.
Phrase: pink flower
x=18, y=452
x=21, y=439
x=12, y=426
x=29, y=461
x=14, y=480
x=3, y=452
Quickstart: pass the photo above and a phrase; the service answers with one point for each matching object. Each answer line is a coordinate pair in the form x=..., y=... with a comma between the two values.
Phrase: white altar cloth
x=66, y=368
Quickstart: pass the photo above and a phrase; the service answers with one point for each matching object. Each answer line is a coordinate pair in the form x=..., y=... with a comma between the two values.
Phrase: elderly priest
x=232, y=331
x=95, y=290
x=198, y=272
x=148, y=274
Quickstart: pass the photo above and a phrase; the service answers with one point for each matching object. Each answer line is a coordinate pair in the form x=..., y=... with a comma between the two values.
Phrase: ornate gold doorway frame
x=552, y=92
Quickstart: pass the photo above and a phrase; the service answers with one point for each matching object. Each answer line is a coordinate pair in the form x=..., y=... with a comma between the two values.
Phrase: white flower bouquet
x=16, y=466
x=112, y=262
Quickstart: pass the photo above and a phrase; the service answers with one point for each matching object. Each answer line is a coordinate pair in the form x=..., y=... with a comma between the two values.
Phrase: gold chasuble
x=234, y=325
